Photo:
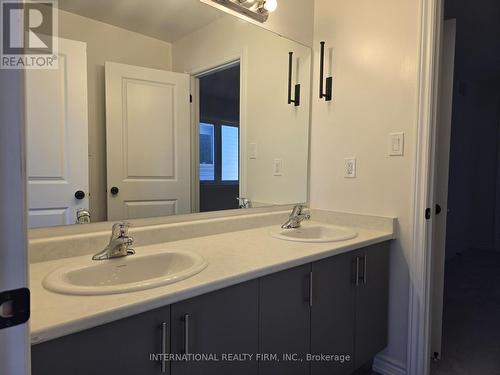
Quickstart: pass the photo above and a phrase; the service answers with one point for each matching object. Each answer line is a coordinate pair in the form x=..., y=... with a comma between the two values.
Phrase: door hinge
x=14, y=307
x=427, y=213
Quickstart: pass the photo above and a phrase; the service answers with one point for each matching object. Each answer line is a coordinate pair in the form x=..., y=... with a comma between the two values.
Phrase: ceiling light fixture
x=270, y=5
x=255, y=9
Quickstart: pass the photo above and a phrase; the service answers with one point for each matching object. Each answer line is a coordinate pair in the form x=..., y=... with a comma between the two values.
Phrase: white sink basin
x=312, y=232
x=134, y=272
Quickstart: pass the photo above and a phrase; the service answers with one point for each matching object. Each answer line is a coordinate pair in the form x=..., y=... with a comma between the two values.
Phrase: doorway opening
x=219, y=139
x=466, y=251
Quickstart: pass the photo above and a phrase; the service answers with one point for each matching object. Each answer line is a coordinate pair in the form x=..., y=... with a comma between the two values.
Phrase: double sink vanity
x=215, y=296
x=193, y=125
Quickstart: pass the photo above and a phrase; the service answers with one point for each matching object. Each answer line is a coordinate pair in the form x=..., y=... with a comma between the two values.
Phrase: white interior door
x=148, y=142
x=57, y=138
x=442, y=170
x=14, y=341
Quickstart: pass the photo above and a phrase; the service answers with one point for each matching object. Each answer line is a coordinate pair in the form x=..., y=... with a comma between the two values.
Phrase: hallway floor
x=471, y=327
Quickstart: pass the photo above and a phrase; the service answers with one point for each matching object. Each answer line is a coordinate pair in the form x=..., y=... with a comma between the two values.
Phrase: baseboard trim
x=388, y=366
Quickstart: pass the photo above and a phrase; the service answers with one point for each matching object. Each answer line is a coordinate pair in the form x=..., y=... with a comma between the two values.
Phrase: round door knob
x=80, y=195
x=114, y=190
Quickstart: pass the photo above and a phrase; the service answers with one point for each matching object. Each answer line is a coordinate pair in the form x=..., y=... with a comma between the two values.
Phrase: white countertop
x=232, y=258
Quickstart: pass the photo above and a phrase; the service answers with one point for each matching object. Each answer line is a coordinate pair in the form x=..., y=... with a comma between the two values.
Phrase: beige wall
x=375, y=55
x=280, y=130
x=293, y=19
x=107, y=43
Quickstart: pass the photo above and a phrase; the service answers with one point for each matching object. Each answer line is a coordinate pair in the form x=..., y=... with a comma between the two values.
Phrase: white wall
x=293, y=19
x=107, y=43
x=280, y=130
x=375, y=56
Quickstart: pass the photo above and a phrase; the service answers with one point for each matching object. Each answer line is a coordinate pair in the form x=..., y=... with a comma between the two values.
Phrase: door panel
x=225, y=321
x=152, y=104
x=57, y=137
x=145, y=209
x=442, y=175
x=284, y=321
x=148, y=142
x=14, y=341
x=332, y=314
x=50, y=217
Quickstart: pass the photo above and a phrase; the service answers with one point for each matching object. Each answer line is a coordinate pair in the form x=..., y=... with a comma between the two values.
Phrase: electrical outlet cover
x=350, y=168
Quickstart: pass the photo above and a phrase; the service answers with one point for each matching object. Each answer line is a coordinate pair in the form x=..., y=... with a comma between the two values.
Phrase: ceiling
x=166, y=20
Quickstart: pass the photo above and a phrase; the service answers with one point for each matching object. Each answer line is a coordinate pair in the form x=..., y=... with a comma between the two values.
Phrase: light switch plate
x=396, y=144
x=350, y=168
x=278, y=167
x=253, y=151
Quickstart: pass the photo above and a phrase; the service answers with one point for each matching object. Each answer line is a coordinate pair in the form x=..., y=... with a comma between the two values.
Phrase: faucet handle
x=244, y=202
x=297, y=210
x=120, y=229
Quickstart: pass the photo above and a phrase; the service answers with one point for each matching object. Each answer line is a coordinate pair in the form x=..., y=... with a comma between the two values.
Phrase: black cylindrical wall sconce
x=327, y=95
x=295, y=101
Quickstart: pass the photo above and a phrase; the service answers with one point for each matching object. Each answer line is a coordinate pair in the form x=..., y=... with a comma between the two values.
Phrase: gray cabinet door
x=332, y=315
x=372, y=296
x=222, y=322
x=284, y=321
x=122, y=347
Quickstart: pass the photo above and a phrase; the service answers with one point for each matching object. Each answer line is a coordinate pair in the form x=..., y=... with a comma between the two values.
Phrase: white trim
x=195, y=145
x=212, y=67
x=418, y=354
x=388, y=366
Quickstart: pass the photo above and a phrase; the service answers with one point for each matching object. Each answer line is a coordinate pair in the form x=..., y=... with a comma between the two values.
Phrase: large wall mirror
x=164, y=107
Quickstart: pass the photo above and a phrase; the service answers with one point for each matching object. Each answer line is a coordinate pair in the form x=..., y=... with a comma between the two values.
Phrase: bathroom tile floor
x=471, y=326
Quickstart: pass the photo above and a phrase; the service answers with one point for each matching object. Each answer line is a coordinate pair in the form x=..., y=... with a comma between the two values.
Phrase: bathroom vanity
x=259, y=295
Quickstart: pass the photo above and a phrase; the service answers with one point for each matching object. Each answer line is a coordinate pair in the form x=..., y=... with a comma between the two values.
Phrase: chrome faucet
x=82, y=216
x=119, y=243
x=296, y=218
x=244, y=202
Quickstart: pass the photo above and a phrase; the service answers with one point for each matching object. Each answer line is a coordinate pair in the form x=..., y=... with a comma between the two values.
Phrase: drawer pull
x=356, y=276
x=311, y=289
x=186, y=334
x=365, y=266
x=164, y=335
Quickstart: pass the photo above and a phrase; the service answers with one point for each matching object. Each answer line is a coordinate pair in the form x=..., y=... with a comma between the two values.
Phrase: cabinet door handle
x=186, y=334
x=311, y=289
x=365, y=266
x=164, y=335
x=356, y=276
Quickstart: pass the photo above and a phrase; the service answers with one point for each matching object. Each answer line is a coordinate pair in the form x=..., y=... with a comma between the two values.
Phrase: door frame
x=420, y=261
x=197, y=73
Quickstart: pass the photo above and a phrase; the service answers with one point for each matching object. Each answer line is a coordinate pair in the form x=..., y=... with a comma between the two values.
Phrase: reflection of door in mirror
x=147, y=141
x=57, y=137
x=219, y=139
